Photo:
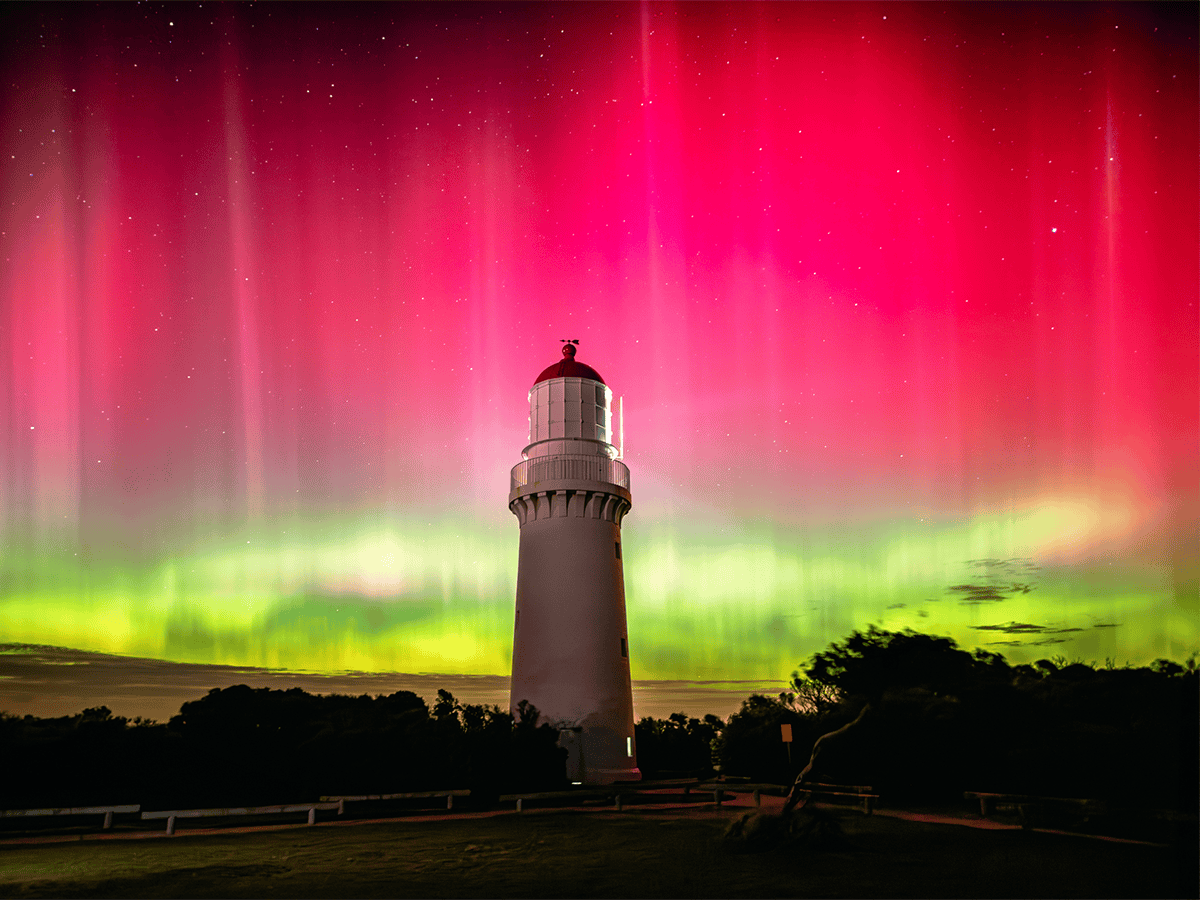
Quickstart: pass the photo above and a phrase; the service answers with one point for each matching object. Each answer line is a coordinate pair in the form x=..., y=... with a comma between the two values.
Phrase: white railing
x=569, y=468
x=172, y=814
x=106, y=811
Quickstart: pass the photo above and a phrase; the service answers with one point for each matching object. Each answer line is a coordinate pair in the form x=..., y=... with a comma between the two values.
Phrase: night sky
x=901, y=300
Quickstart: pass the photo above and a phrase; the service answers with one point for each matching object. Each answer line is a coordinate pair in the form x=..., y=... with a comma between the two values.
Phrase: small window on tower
x=618, y=546
x=624, y=649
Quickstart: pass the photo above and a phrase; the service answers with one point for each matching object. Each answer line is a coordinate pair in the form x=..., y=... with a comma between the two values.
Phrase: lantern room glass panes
x=569, y=408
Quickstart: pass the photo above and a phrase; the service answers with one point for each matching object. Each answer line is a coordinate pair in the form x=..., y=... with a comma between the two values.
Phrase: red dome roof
x=567, y=367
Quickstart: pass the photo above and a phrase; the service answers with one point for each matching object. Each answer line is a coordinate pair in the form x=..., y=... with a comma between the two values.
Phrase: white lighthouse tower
x=570, y=643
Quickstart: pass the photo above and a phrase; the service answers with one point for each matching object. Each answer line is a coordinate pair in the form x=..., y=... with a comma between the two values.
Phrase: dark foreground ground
x=557, y=853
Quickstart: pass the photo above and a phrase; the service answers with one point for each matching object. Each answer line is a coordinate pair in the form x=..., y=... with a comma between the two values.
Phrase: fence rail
x=106, y=811
x=221, y=812
x=569, y=468
x=172, y=814
x=407, y=795
x=72, y=810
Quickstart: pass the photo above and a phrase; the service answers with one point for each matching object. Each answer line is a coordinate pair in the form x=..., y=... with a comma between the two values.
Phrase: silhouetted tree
x=535, y=761
x=868, y=664
x=676, y=746
x=811, y=697
x=751, y=744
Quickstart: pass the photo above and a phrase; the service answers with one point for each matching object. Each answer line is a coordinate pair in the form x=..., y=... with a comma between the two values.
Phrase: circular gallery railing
x=569, y=468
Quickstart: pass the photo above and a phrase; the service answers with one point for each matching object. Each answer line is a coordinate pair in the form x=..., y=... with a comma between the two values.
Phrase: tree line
x=243, y=746
x=939, y=720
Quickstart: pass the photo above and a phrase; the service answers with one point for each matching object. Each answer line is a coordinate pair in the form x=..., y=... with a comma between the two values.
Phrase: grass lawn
x=554, y=853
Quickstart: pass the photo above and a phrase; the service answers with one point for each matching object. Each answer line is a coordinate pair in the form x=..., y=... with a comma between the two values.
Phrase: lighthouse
x=570, y=642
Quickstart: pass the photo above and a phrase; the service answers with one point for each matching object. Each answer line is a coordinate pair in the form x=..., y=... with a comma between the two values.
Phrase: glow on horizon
x=437, y=598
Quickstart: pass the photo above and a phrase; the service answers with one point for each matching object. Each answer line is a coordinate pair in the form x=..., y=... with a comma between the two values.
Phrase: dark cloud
x=1046, y=634
x=1001, y=578
x=978, y=593
x=50, y=681
x=1017, y=567
x=1023, y=628
x=1011, y=628
x=58, y=681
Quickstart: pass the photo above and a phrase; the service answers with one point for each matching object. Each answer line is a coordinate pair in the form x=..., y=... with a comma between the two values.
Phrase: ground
x=638, y=852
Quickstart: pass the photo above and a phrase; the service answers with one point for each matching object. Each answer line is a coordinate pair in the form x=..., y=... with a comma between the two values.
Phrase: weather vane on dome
x=568, y=347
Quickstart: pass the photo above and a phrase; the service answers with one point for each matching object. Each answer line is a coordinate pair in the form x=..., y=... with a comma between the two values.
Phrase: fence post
x=618, y=802
x=108, y=819
x=757, y=798
x=312, y=815
x=518, y=804
x=449, y=801
x=170, y=824
x=718, y=796
x=341, y=806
